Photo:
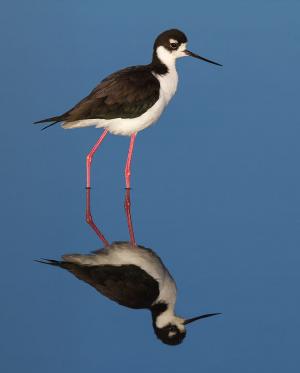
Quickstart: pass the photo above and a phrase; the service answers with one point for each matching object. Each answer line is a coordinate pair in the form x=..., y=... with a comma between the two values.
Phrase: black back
x=127, y=285
x=127, y=93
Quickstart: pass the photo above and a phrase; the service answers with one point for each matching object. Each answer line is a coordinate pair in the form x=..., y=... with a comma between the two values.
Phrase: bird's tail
x=51, y=262
x=52, y=119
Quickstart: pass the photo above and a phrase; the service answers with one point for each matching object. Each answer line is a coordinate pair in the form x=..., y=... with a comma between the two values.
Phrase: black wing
x=127, y=285
x=127, y=93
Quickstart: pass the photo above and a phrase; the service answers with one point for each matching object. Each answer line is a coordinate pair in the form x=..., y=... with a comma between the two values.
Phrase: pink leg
x=127, y=206
x=89, y=218
x=128, y=162
x=89, y=158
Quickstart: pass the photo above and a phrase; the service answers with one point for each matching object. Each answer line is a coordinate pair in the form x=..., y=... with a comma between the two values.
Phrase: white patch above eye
x=173, y=41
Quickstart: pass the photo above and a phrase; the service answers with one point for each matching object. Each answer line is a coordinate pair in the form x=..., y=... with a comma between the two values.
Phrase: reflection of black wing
x=127, y=285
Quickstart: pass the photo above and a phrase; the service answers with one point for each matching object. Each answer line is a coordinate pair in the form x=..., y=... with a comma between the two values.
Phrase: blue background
x=216, y=186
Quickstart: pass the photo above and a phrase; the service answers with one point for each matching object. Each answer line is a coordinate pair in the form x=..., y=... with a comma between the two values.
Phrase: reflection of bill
x=132, y=276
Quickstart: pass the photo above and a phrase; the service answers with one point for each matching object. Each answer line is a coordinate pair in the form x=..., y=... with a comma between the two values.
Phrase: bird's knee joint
x=88, y=219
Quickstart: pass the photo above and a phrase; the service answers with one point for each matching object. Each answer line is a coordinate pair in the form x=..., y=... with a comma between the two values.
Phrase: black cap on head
x=170, y=334
x=164, y=38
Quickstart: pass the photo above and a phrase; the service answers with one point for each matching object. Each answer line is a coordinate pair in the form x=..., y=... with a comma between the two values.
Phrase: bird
x=131, y=275
x=131, y=99
x=134, y=277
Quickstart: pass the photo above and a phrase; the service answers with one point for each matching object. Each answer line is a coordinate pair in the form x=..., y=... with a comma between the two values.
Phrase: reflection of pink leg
x=128, y=162
x=89, y=218
x=89, y=158
x=127, y=206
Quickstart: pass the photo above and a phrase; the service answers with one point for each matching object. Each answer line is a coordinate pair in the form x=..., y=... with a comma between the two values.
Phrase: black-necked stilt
x=131, y=99
x=132, y=276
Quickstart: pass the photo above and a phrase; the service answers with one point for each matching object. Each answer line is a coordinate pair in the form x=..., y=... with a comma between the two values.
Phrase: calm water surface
x=215, y=188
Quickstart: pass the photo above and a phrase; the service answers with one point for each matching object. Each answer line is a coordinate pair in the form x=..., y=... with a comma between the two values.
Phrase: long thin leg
x=127, y=205
x=89, y=158
x=128, y=162
x=89, y=218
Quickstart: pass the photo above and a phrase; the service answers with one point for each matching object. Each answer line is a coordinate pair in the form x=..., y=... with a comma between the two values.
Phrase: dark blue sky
x=216, y=186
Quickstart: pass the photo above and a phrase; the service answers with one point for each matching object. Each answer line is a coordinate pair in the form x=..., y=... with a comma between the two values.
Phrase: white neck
x=168, y=317
x=168, y=81
x=166, y=57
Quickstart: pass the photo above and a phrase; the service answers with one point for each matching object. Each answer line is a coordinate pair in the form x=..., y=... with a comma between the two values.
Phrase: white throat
x=166, y=57
x=168, y=317
x=168, y=82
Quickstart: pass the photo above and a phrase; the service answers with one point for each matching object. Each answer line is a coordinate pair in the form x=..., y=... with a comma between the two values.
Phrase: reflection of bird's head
x=168, y=327
x=171, y=334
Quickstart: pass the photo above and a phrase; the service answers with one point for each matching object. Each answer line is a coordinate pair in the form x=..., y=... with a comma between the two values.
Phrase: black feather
x=51, y=262
x=49, y=125
x=52, y=119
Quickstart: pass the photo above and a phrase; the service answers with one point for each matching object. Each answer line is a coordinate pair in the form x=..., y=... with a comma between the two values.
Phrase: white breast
x=168, y=83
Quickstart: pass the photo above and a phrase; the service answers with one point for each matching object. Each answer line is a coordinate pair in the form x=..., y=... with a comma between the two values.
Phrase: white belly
x=128, y=126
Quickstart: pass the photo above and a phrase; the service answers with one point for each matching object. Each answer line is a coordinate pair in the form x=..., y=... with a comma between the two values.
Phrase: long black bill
x=188, y=321
x=189, y=53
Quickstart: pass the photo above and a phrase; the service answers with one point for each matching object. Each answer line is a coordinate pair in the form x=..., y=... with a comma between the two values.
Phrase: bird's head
x=169, y=328
x=173, y=332
x=172, y=44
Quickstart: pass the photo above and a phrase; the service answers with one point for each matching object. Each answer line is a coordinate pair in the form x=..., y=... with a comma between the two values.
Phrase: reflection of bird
x=132, y=276
x=135, y=277
x=131, y=99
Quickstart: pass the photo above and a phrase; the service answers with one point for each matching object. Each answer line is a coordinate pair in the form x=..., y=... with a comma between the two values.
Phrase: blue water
x=215, y=186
